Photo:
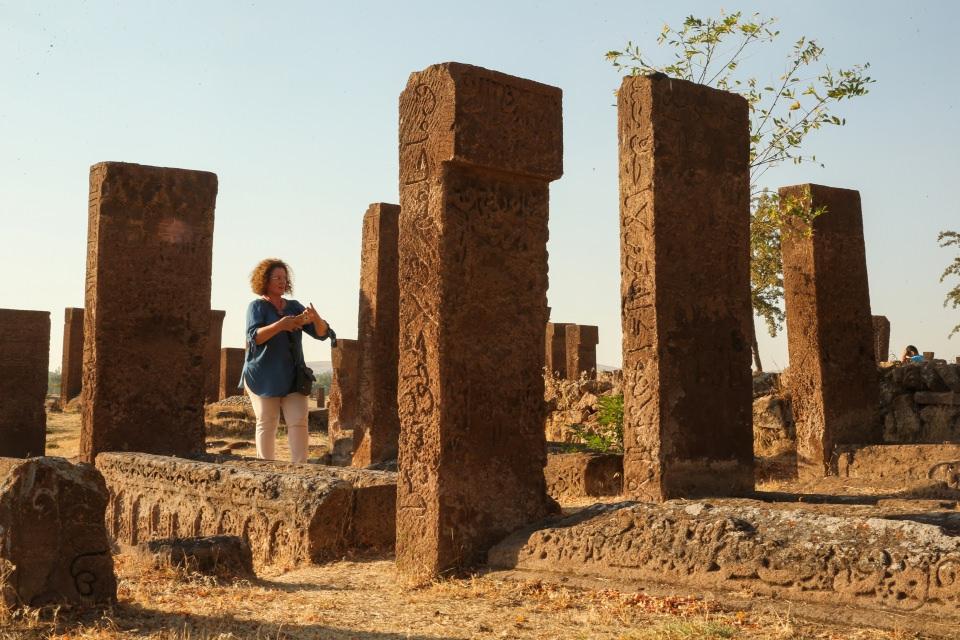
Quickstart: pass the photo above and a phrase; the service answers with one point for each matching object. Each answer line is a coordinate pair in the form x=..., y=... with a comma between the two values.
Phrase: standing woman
x=275, y=328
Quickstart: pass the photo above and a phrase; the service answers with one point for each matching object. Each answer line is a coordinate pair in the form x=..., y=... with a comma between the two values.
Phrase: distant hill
x=320, y=366
x=606, y=367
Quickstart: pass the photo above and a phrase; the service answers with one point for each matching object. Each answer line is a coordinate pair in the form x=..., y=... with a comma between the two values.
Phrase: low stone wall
x=286, y=518
x=751, y=546
x=582, y=475
x=54, y=547
x=917, y=402
x=571, y=402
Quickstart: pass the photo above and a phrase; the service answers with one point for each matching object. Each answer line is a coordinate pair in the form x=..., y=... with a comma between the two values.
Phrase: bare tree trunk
x=755, y=349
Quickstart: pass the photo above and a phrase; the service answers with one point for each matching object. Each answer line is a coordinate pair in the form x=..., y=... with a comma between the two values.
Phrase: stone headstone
x=342, y=408
x=378, y=425
x=231, y=368
x=52, y=534
x=833, y=374
x=928, y=356
x=321, y=397
x=25, y=349
x=881, y=338
x=581, y=350
x=478, y=150
x=685, y=302
x=211, y=359
x=71, y=367
x=556, y=349
x=149, y=252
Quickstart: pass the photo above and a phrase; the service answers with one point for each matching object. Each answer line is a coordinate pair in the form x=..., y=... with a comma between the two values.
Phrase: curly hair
x=261, y=275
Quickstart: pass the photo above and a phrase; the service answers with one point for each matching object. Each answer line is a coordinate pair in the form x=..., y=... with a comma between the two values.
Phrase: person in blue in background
x=275, y=328
x=911, y=354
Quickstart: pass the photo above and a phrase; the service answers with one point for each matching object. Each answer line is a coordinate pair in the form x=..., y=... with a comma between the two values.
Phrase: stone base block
x=901, y=462
x=53, y=543
x=747, y=546
x=286, y=518
x=317, y=419
x=581, y=475
x=222, y=556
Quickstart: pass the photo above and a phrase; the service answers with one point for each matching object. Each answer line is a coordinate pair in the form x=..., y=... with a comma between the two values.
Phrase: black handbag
x=303, y=375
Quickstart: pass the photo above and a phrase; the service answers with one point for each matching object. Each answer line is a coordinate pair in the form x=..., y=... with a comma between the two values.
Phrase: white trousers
x=267, y=410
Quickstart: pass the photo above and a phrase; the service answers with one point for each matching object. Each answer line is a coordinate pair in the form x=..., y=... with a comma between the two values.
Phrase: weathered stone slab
x=687, y=318
x=901, y=462
x=222, y=556
x=581, y=475
x=286, y=518
x=342, y=406
x=149, y=253
x=881, y=338
x=833, y=373
x=25, y=342
x=52, y=534
x=556, y=349
x=321, y=397
x=477, y=152
x=582, y=340
x=378, y=433
x=318, y=419
x=373, y=511
x=211, y=359
x=871, y=563
x=933, y=397
x=71, y=364
x=231, y=368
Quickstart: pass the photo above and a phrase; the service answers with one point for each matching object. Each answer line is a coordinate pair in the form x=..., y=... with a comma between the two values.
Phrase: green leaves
x=951, y=239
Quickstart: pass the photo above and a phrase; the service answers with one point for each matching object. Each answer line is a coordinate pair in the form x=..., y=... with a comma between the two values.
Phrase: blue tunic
x=269, y=368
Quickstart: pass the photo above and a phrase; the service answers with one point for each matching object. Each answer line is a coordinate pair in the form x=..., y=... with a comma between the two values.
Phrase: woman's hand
x=319, y=324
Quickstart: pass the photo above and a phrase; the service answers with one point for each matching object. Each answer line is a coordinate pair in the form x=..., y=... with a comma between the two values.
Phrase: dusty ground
x=360, y=598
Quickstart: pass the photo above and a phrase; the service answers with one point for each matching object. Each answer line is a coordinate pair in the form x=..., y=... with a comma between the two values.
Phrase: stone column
x=378, y=428
x=582, y=340
x=833, y=372
x=71, y=367
x=321, y=400
x=230, y=370
x=149, y=252
x=342, y=408
x=25, y=349
x=881, y=338
x=556, y=349
x=478, y=150
x=211, y=359
x=685, y=289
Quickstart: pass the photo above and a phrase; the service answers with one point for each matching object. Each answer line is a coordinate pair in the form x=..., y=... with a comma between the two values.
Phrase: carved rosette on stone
x=52, y=534
x=478, y=150
x=685, y=289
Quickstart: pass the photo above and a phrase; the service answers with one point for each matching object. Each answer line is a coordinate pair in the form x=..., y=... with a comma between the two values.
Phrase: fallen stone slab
x=318, y=419
x=581, y=475
x=286, y=518
x=901, y=462
x=222, y=556
x=372, y=521
x=53, y=543
x=748, y=546
x=936, y=397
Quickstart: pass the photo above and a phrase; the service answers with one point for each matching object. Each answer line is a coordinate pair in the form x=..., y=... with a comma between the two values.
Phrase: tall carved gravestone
x=478, y=150
x=378, y=432
x=556, y=349
x=149, y=252
x=833, y=374
x=211, y=359
x=230, y=370
x=24, y=355
x=582, y=340
x=71, y=367
x=881, y=338
x=342, y=406
x=685, y=289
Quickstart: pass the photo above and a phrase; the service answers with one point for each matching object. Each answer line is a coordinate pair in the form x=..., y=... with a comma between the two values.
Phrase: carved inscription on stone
x=833, y=378
x=556, y=349
x=52, y=533
x=344, y=386
x=881, y=338
x=24, y=351
x=581, y=350
x=685, y=302
x=477, y=151
x=147, y=311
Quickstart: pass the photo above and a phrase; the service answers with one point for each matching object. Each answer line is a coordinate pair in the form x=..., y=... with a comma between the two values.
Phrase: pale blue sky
x=294, y=106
